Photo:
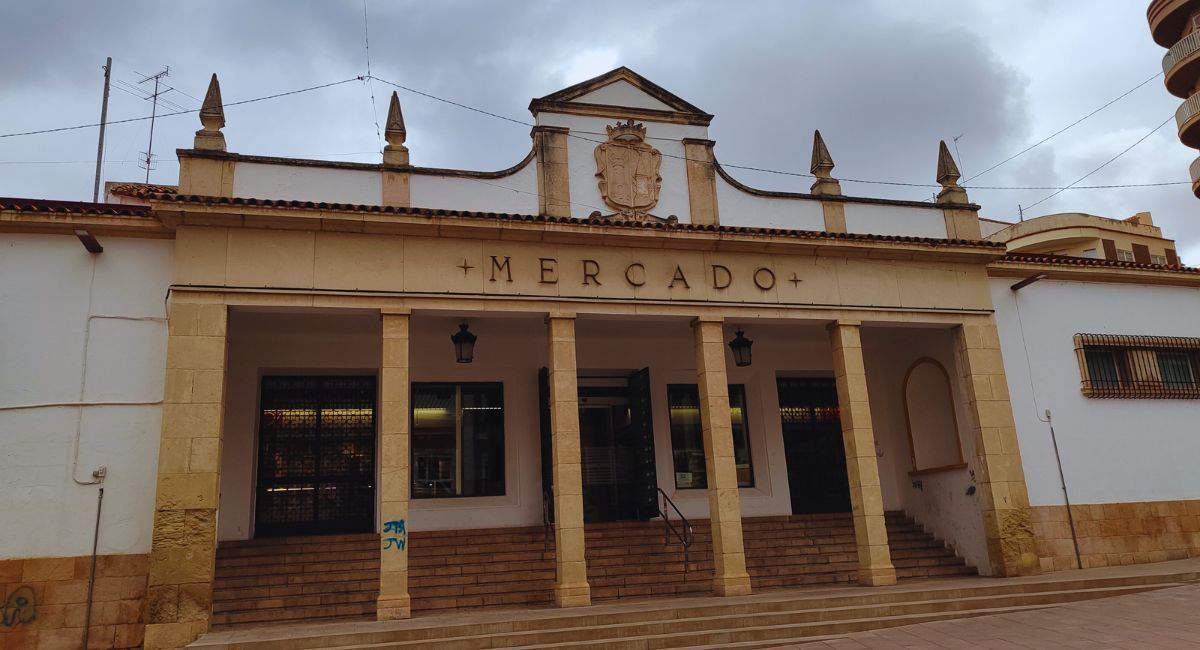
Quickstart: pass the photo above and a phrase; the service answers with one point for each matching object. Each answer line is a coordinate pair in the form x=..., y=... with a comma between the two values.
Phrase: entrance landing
x=757, y=621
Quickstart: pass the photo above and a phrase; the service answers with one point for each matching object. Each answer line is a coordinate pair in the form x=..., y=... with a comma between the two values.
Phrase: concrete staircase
x=765, y=620
x=317, y=578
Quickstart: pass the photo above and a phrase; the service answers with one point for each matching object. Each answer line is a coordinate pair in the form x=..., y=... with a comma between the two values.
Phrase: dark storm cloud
x=883, y=81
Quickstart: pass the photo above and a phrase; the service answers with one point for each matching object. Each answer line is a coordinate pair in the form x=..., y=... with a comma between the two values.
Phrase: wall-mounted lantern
x=741, y=349
x=464, y=344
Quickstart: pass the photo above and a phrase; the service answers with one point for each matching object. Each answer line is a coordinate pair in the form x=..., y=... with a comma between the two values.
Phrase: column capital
x=560, y=315
x=843, y=322
x=395, y=311
x=707, y=319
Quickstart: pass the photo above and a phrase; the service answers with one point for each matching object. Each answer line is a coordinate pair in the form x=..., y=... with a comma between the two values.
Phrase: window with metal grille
x=457, y=440
x=1153, y=367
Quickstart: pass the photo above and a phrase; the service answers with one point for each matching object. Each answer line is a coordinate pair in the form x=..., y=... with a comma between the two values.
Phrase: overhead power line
x=1064, y=129
x=195, y=110
x=1105, y=164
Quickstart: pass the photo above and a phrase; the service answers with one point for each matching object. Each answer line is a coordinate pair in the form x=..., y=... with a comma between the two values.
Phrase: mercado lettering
x=634, y=274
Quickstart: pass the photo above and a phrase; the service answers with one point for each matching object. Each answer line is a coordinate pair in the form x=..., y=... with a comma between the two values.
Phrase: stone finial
x=947, y=177
x=212, y=117
x=821, y=167
x=395, y=153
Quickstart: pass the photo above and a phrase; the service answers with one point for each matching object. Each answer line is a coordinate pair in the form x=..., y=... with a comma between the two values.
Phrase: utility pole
x=103, y=121
x=148, y=161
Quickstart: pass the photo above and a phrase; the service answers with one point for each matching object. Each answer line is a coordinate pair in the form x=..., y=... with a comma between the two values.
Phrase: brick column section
x=724, y=505
x=394, y=478
x=1003, y=497
x=184, y=544
x=571, y=587
x=553, y=177
x=862, y=466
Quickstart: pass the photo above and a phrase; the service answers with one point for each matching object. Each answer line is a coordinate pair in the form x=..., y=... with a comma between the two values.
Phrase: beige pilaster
x=1000, y=478
x=394, y=483
x=724, y=504
x=702, y=180
x=835, y=216
x=206, y=175
x=184, y=542
x=553, y=177
x=862, y=466
x=570, y=586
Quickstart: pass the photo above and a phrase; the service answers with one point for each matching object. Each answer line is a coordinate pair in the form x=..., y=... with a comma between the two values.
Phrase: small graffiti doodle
x=19, y=607
x=399, y=537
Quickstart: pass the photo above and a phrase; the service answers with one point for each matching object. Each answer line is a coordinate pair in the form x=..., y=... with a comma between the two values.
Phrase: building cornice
x=1086, y=269
x=356, y=166
x=64, y=217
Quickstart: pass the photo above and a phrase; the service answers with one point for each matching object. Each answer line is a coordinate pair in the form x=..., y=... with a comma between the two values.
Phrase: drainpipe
x=87, y=617
x=1066, y=497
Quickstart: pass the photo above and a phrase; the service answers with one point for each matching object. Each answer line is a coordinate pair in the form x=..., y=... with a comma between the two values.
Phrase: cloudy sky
x=884, y=81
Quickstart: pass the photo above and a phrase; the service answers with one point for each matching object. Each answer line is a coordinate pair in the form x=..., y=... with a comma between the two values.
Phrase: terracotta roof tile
x=140, y=190
x=1067, y=260
x=590, y=221
x=75, y=207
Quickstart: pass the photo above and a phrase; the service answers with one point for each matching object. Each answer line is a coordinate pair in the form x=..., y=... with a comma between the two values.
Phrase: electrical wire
x=195, y=110
x=1104, y=164
x=1064, y=129
x=370, y=81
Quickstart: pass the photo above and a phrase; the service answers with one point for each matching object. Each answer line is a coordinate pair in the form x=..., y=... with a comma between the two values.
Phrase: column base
x=877, y=576
x=164, y=636
x=393, y=608
x=573, y=595
x=731, y=585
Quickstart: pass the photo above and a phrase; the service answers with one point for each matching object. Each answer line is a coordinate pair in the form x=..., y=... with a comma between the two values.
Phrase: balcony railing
x=1186, y=47
x=1187, y=110
x=1195, y=169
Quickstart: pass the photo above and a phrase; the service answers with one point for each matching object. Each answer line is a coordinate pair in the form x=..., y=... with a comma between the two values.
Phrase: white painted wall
x=738, y=208
x=622, y=93
x=296, y=183
x=47, y=292
x=941, y=504
x=871, y=219
x=589, y=132
x=1113, y=450
x=515, y=194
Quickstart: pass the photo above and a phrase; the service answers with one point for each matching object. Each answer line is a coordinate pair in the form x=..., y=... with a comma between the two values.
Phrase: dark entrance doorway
x=316, y=456
x=812, y=442
x=616, y=440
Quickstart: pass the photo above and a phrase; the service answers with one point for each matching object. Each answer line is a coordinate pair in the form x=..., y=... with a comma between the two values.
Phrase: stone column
x=862, y=466
x=394, y=479
x=184, y=544
x=570, y=586
x=702, y=180
x=724, y=507
x=1003, y=497
x=553, y=177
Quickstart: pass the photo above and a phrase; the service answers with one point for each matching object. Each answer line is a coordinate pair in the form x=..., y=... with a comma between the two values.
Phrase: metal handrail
x=1187, y=110
x=685, y=536
x=547, y=520
x=1187, y=46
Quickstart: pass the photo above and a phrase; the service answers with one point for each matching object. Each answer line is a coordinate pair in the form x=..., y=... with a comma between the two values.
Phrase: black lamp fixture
x=741, y=349
x=464, y=344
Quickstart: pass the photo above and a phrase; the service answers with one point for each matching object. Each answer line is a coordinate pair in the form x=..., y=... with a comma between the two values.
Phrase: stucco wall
x=47, y=292
x=738, y=208
x=872, y=219
x=515, y=194
x=1113, y=450
x=259, y=181
x=940, y=503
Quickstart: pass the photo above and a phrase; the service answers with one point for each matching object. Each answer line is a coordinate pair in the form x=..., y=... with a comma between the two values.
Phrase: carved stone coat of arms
x=628, y=169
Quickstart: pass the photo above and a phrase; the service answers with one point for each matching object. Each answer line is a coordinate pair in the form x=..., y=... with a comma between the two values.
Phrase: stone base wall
x=1117, y=533
x=43, y=602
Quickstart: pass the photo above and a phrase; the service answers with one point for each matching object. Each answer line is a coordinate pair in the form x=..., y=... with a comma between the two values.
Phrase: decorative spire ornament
x=822, y=168
x=947, y=177
x=395, y=153
x=212, y=118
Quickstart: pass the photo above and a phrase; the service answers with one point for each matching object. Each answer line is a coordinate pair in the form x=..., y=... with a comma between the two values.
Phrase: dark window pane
x=457, y=440
x=687, y=436
x=1102, y=368
x=1175, y=369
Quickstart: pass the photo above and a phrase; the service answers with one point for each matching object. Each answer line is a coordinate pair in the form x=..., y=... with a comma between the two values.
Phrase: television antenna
x=148, y=162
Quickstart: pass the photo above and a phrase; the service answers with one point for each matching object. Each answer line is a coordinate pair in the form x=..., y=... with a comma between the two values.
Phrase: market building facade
x=612, y=341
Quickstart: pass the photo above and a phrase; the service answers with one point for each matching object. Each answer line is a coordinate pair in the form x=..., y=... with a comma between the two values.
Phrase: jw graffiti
x=399, y=536
x=19, y=608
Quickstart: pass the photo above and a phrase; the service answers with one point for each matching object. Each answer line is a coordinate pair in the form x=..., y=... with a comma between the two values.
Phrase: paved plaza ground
x=1167, y=618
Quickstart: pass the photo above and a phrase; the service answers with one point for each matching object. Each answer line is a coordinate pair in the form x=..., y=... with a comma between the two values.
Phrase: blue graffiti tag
x=396, y=528
x=19, y=607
